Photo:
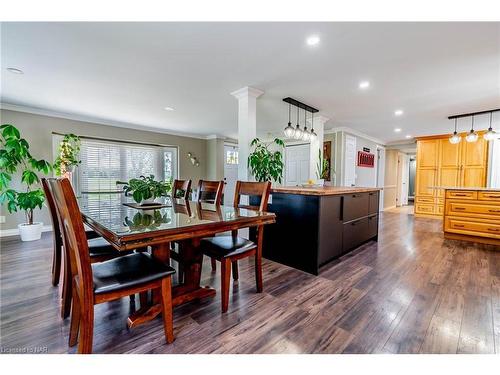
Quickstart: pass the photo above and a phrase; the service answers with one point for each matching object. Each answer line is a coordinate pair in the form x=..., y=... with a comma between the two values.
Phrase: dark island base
x=312, y=230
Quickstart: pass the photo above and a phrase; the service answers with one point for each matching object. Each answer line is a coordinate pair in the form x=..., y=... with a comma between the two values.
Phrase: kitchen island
x=315, y=225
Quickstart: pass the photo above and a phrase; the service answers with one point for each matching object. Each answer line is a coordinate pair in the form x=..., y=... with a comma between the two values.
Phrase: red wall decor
x=365, y=159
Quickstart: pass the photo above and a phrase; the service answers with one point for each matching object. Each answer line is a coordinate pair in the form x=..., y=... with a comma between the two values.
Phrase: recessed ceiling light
x=397, y=130
x=364, y=85
x=408, y=136
x=168, y=109
x=312, y=40
x=15, y=70
x=398, y=112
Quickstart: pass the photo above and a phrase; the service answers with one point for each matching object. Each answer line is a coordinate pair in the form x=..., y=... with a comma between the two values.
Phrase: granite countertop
x=322, y=190
x=464, y=188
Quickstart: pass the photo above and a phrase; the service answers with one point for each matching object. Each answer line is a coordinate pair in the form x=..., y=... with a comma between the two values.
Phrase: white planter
x=31, y=232
x=148, y=201
x=320, y=182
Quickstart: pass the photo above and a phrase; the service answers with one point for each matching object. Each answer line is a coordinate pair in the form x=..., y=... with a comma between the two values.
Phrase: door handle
x=494, y=210
x=460, y=208
x=458, y=226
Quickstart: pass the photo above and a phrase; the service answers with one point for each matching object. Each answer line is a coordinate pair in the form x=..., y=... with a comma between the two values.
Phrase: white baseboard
x=389, y=208
x=15, y=232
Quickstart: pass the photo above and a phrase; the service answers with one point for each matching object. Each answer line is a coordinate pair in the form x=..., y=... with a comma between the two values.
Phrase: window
x=231, y=157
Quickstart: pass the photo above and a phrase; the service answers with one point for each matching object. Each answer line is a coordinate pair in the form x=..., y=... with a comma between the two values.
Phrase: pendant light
x=289, y=130
x=306, y=135
x=314, y=136
x=490, y=134
x=298, y=131
x=455, y=138
x=472, y=136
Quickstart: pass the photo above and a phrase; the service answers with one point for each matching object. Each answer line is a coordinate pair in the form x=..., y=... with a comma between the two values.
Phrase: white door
x=296, y=165
x=230, y=173
x=405, y=177
x=380, y=174
x=350, y=161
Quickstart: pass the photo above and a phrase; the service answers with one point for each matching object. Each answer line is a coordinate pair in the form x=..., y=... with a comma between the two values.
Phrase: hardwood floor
x=412, y=292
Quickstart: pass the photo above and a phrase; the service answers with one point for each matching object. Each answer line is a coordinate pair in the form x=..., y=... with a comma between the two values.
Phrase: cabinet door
x=449, y=165
x=474, y=160
x=427, y=153
x=425, y=178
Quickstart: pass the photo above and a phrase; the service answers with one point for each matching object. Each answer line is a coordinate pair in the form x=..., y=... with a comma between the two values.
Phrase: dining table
x=128, y=226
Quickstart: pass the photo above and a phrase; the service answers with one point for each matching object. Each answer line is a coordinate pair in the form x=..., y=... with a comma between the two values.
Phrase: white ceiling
x=128, y=72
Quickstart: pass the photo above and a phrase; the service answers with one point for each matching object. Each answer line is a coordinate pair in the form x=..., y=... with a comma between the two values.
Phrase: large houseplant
x=264, y=163
x=15, y=158
x=68, y=151
x=145, y=190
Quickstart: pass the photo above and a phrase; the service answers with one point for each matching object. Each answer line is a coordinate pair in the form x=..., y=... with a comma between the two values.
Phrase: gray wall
x=37, y=130
x=215, y=159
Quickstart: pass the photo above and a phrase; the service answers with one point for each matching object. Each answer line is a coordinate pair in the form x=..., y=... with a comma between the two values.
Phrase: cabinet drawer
x=424, y=208
x=355, y=206
x=461, y=194
x=473, y=209
x=372, y=226
x=424, y=200
x=354, y=234
x=373, y=202
x=489, y=196
x=472, y=228
x=440, y=209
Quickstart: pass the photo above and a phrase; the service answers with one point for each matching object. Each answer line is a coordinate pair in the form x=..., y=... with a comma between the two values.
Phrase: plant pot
x=148, y=201
x=320, y=182
x=31, y=232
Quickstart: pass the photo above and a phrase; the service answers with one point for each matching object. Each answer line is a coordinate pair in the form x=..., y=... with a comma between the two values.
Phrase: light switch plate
x=2, y=219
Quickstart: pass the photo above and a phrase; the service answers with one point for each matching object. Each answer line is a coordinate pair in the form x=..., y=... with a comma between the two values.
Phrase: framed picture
x=327, y=155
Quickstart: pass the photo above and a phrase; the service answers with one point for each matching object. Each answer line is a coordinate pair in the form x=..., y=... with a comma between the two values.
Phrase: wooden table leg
x=192, y=260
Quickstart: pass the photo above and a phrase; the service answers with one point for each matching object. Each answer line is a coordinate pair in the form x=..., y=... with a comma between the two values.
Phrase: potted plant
x=67, y=160
x=264, y=163
x=145, y=190
x=15, y=158
x=321, y=169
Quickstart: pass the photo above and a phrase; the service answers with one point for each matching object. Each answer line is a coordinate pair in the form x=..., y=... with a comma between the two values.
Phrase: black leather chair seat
x=100, y=247
x=127, y=271
x=225, y=246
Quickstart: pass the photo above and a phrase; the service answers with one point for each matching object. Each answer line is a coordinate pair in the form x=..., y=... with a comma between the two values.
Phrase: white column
x=247, y=126
x=317, y=144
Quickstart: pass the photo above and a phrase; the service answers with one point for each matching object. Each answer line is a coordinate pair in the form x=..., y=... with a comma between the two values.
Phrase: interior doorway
x=297, y=164
x=411, y=179
x=231, y=161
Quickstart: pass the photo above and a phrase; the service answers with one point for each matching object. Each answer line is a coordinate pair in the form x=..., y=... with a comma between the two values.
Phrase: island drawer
x=489, y=195
x=355, y=206
x=355, y=233
x=372, y=226
x=472, y=227
x=373, y=202
x=472, y=209
x=461, y=194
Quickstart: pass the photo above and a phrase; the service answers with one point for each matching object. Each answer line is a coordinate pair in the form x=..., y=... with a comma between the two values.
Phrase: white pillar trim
x=247, y=91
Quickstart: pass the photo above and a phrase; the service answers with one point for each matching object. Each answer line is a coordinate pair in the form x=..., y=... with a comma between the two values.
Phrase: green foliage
x=15, y=157
x=321, y=167
x=69, y=149
x=265, y=164
x=142, y=221
x=144, y=188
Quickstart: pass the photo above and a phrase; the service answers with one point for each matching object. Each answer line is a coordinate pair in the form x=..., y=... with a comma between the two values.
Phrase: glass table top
x=109, y=212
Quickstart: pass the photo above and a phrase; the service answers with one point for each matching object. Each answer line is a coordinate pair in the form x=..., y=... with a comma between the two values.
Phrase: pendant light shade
x=455, y=138
x=472, y=136
x=289, y=130
x=306, y=135
x=298, y=131
x=490, y=134
x=314, y=136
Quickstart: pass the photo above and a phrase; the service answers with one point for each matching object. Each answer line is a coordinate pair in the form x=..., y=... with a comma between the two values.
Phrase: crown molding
x=355, y=132
x=95, y=120
x=215, y=136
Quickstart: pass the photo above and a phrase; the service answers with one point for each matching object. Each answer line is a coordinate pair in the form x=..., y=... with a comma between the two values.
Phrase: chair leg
x=86, y=329
x=214, y=264
x=75, y=319
x=56, y=263
x=143, y=298
x=166, y=304
x=235, y=270
x=66, y=291
x=225, y=279
x=258, y=259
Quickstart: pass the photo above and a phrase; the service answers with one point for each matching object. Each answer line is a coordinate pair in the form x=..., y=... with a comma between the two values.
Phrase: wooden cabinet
x=440, y=163
x=473, y=216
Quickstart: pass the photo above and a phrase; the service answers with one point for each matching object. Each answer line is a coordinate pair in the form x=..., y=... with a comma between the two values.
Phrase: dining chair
x=211, y=192
x=181, y=189
x=229, y=249
x=113, y=279
x=99, y=250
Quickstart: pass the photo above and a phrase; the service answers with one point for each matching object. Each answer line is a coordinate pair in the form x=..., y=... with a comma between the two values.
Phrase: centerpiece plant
x=68, y=151
x=16, y=159
x=265, y=163
x=145, y=190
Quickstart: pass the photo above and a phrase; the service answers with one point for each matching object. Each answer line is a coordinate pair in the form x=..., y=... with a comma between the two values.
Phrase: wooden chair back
x=56, y=231
x=74, y=238
x=210, y=191
x=181, y=188
x=252, y=189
